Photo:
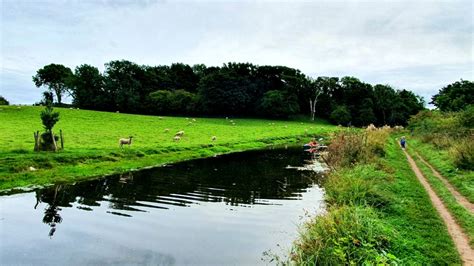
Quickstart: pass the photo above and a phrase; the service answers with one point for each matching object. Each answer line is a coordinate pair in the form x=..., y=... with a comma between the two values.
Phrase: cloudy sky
x=416, y=45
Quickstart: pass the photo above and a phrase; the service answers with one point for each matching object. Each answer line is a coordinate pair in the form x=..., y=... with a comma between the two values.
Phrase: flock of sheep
x=177, y=136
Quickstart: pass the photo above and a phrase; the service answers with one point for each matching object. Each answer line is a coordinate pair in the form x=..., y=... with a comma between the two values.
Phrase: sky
x=421, y=46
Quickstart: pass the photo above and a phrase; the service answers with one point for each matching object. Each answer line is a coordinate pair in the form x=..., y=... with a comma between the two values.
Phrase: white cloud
x=419, y=46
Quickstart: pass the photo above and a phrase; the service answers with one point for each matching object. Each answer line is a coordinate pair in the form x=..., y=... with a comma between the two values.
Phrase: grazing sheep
x=125, y=141
x=194, y=120
x=117, y=112
x=176, y=138
x=285, y=126
x=167, y=130
x=190, y=123
x=179, y=133
x=214, y=138
x=231, y=121
x=159, y=117
x=187, y=118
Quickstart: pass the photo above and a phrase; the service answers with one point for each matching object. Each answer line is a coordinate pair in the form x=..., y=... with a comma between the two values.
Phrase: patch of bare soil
x=459, y=238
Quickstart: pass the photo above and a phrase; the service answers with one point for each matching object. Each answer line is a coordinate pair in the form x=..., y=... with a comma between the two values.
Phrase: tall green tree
x=384, y=97
x=55, y=77
x=124, y=86
x=88, y=88
x=455, y=96
x=278, y=105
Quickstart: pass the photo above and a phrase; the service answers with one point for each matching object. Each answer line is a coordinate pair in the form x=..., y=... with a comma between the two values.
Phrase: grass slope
x=91, y=142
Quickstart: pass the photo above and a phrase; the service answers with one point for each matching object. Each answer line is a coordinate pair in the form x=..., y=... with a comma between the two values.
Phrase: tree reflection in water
x=246, y=179
x=51, y=213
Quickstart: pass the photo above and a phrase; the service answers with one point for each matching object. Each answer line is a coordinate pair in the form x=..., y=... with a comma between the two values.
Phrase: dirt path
x=459, y=198
x=459, y=238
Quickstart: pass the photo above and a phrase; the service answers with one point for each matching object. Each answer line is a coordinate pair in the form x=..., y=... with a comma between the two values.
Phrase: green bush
x=463, y=153
x=3, y=101
x=341, y=115
x=348, y=235
x=355, y=186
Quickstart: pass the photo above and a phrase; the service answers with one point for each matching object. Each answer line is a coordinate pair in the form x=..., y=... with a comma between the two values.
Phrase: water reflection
x=233, y=179
x=236, y=206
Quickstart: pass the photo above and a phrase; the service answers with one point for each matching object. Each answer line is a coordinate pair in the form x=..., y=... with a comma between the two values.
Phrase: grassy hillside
x=91, y=142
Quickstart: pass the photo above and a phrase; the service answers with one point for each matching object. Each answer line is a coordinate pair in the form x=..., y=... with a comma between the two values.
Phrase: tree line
x=234, y=89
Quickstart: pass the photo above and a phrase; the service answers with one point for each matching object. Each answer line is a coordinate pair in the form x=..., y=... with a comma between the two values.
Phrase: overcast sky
x=420, y=46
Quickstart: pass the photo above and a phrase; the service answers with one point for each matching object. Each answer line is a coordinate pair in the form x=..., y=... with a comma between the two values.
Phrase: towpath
x=460, y=239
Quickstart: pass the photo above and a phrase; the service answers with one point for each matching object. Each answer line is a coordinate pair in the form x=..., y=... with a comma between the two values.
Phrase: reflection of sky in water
x=203, y=229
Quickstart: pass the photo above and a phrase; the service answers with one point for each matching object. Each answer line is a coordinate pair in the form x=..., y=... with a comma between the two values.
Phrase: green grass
x=91, y=142
x=462, y=216
x=443, y=162
x=386, y=201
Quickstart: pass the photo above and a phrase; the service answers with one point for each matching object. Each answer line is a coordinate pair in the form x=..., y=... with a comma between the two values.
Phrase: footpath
x=460, y=239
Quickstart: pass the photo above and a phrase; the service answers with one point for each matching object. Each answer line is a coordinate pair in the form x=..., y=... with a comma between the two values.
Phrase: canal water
x=227, y=210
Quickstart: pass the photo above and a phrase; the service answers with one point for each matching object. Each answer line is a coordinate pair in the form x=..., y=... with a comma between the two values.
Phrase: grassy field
x=378, y=213
x=91, y=142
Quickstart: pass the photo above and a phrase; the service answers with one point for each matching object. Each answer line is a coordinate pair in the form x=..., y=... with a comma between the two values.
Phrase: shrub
x=3, y=101
x=355, y=186
x=347, y=235
x=341, y=115
x=463, y=153
x=350, y=147
x=346, y=148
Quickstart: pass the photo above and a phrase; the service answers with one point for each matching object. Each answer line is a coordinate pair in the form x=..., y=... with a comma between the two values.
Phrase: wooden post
x=54, y=141
x=61, y=137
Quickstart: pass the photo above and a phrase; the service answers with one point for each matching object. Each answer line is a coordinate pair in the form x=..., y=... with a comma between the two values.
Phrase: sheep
x=167, y=130
x=117, y=112
x=125, y=141
x=176, y=138
x=214, y=138
x=159, y=117
x=179, y=133
x=194, y=120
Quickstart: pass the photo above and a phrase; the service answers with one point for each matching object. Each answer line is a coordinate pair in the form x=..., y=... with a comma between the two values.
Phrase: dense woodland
x=235, y=89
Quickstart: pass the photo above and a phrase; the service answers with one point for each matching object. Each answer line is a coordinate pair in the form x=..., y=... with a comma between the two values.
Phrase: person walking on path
x=403, y=142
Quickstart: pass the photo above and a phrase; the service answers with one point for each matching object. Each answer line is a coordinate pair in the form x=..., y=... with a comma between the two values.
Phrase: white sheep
x=167, y=130
x=159, y=117
x=176, y=138
x=194, y=120
x=214, y=138
x=179, y=133
x=125, y=141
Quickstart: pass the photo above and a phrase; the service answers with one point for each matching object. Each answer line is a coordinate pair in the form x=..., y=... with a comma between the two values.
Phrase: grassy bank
x=442, y=161
x=378, y=214
x=91, y=142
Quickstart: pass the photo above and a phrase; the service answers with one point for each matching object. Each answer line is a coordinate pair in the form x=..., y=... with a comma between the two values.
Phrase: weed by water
x=347, y=235
x=356, y=186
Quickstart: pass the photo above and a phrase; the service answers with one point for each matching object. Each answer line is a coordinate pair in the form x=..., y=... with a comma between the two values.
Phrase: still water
x=226, y=210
